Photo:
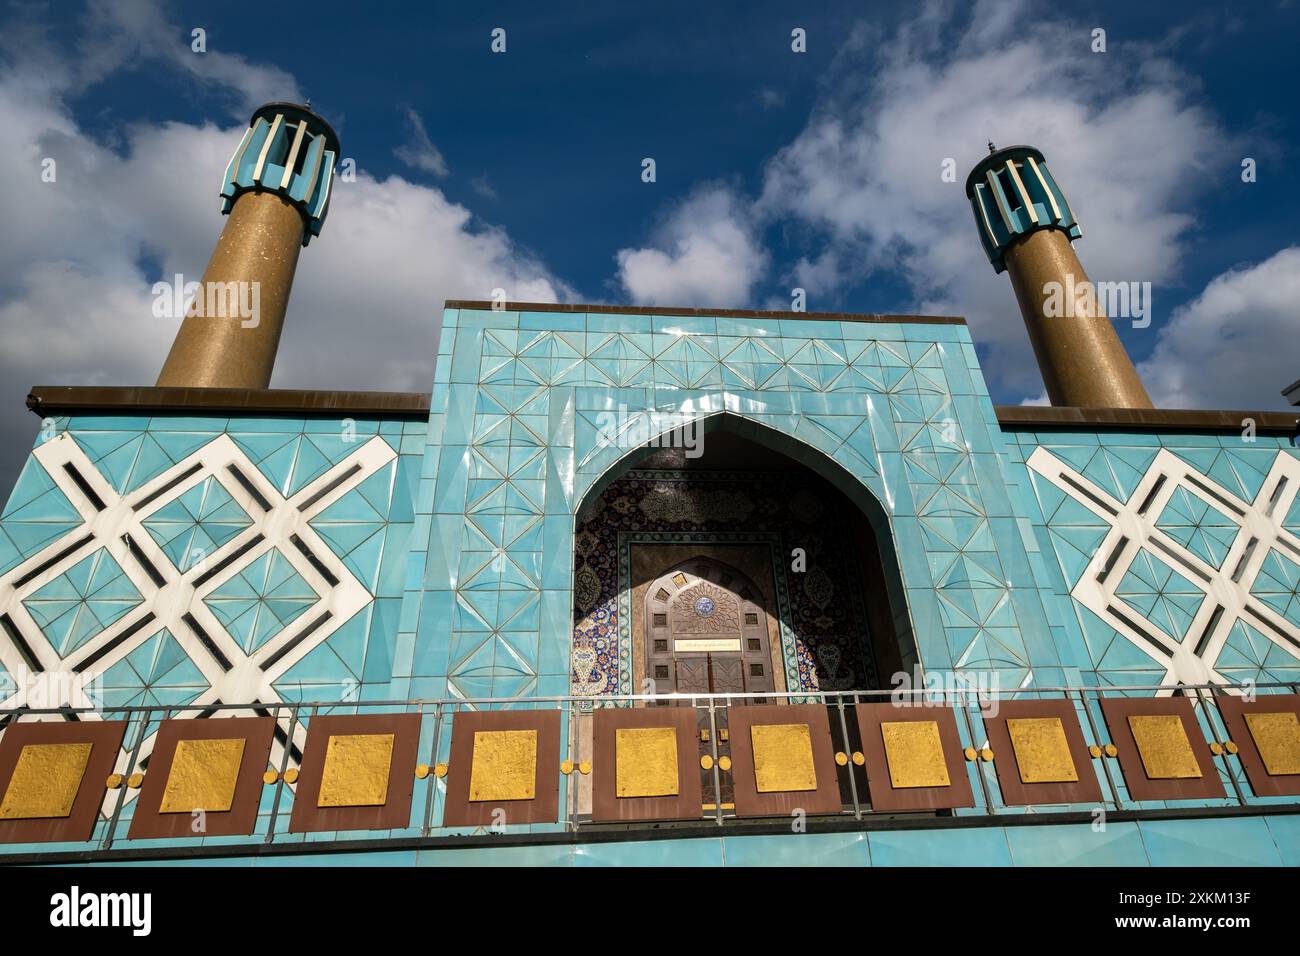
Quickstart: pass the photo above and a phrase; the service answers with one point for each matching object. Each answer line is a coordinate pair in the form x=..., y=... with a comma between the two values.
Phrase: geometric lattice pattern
x=261, y=600
x=192, y=572
x=1181, y=565
x=193, y=525
x=82, y=601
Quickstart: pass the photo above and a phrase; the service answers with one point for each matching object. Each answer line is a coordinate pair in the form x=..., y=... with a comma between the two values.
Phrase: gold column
x=1081, y=357
x=259, y=244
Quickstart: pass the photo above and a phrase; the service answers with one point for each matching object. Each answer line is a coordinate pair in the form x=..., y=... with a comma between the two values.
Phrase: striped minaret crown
x=289, y=150
x=1012, y=193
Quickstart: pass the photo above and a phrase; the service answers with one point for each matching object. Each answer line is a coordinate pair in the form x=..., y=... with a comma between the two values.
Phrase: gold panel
x=203, y=776
x=783, y=758
x=45, y=781
x=1042, y=752
x=1163, y=746
x=914, y=754
x=1277, y=737
x=356, y=770
x=645, y=762
x=503, y=765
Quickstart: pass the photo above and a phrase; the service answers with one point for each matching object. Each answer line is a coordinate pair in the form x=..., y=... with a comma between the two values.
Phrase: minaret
x=1026, y=227
x=276, y=193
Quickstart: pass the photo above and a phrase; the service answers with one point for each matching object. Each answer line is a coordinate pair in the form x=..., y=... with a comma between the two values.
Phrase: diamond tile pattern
x=196, y=523
x=1200, y=527
x=83, y=601
x=1209, y=507
x=261, y=600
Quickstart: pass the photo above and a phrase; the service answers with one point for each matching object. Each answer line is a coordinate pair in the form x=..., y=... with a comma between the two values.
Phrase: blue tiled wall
x=514, y=446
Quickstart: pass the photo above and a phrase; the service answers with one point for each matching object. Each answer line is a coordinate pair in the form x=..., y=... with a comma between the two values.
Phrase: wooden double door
x=706, y=632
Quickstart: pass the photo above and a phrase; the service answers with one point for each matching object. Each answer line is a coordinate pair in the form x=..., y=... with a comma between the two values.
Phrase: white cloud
x=1120, y=130
x=420, y=153
x=705, y=253
x=76, y=278
x=1234, y=345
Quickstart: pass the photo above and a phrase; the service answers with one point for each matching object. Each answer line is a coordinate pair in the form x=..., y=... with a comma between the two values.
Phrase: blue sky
x=774, y=170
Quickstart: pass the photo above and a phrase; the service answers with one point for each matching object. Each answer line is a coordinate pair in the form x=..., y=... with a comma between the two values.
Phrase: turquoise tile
x=1076, y=844
x=1286, y=835
x=1224, y=841
x=541, y=855
x=968, y=846
x=798, y=849
x=702, y=851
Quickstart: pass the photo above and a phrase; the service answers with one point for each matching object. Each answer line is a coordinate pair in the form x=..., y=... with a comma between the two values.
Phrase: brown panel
x=395, y=813
x=148, y=823
x=1117, y=711
x=460, y=811
x=884, y=796
x=606, y=805
x=1017, y=793
x=105, y=738
x=1234, y=711
x=749, y=802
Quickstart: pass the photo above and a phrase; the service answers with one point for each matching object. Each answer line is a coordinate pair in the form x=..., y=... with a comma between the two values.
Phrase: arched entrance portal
x=761, y=525
x=706, y=632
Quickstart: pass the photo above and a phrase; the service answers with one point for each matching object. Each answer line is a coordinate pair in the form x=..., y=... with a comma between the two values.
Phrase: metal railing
x=437, y=721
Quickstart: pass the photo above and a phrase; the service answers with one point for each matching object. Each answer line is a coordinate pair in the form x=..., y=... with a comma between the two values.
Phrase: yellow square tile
x=504, y=765
x=645, y=762
x=45, y=781
x=1277, y=738
x=914, y=753
x=1042, y=751
x=1163, y=746
x=356, y=770
x=203, y=776
x=783, y=758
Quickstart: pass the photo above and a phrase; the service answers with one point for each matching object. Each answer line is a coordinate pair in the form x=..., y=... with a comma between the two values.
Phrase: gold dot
x=724, y=762
x=858, y=758
x=1230, y=747
x=986, y=754
x=440, y=770
x=421, y=770
x=841, y=758
x=270, y=777
x=1111, y=750
x=706, y=762
x=1216, y=748
x=584, y=768
x=971, y=753
x=114, y=781
x=566, y=767
x=291, y=775
x=1094, y=750
x=135, y=780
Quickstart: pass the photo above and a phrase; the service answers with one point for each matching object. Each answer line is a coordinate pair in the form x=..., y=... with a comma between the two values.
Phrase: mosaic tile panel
x=520, y=432
x=170, y=560
x=1177, y=554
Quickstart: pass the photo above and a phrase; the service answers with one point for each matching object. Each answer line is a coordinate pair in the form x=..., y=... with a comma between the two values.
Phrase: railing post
x=284, y=765
x=1105, y=764
x=130, y=767
x=717, y=772
x=844, y=731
